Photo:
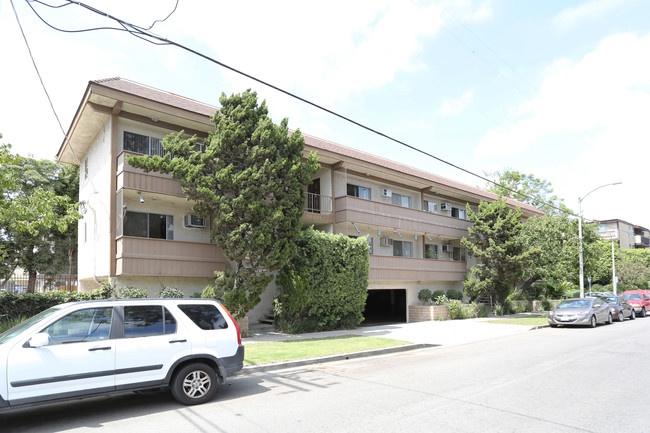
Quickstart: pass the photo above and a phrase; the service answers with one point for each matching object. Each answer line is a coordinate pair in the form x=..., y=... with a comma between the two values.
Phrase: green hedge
x=23, y=305
x=324, y=286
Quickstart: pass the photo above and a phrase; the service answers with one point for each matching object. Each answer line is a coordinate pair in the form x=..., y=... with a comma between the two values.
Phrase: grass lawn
x=535, y=320
x=264, y=353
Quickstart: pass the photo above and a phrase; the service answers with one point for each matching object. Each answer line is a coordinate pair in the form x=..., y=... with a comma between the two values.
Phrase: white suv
x=88, y=348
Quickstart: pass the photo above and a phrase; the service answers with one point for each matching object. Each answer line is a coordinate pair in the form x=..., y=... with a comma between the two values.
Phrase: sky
x=558, y=89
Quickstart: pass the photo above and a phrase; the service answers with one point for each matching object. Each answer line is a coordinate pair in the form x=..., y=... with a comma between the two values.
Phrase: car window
x=147, y=320
x=12, y=332
x=574, y=303
x=205, y=316
x=633, y=296
x=90, y=324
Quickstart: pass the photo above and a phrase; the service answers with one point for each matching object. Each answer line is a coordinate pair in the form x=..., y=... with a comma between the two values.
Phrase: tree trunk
x=31, y=283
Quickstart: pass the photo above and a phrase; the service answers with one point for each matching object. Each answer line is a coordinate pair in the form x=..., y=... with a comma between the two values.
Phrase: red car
x=640, y=301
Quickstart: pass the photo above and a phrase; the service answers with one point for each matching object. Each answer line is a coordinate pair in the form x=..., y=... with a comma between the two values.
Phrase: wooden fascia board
x=75, y=122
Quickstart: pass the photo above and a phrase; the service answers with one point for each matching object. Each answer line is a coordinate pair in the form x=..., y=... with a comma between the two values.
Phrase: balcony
x=134, y=178
x=409, y=269
x=641, y=241
x=161, y=257
x=387, y=215
x=318, y=209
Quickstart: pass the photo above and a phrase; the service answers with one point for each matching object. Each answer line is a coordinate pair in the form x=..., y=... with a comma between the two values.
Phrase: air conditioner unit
x=194, y=221
x=447, y=249
x=385, y=192
x=445, y=206
x=386, y=242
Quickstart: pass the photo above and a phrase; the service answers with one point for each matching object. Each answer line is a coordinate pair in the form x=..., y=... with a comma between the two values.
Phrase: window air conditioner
x=386, y=242
x=385, y=192
x=194, y=221
x=445, y=206
x=447, y=249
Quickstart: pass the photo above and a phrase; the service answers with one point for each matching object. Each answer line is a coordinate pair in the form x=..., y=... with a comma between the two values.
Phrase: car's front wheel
x=621, y=316
x=633, y=314
x=643, y=312
x=194, y=384
x=593, y=322
x=609, y=319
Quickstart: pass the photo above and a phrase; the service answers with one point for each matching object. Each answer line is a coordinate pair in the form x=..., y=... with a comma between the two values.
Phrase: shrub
x=334, y=297
x=424, y=295
x=437, y=294
x=10, y=323
x=546, y=304
x=171, y=292
x=131, y=293
x=458, y=310
x=483, y=311
x=455, y=294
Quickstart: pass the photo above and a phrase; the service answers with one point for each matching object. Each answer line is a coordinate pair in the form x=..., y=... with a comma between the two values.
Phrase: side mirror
x=39, y=340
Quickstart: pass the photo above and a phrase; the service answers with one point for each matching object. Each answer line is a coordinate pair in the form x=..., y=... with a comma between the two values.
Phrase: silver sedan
x=580, y=311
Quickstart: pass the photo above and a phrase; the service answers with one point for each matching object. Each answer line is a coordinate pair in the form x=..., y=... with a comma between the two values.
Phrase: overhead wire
x=146, y=35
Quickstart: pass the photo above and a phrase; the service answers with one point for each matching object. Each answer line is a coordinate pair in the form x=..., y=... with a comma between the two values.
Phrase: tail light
x=235, y=322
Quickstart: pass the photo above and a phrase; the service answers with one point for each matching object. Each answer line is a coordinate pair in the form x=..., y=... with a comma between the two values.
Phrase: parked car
x=640, y=300
x=81, y=349
x=580, y=311
x=602, y=294
x=620, y=308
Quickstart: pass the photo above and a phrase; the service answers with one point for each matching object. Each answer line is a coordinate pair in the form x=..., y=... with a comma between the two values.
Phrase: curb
x=332, y=358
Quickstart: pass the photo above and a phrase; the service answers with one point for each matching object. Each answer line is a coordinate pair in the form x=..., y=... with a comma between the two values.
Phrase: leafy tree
x=526, y=188
x=32, y=212
x=633, y=268
x=251, y=181
x=494, y=240
x=554, y=260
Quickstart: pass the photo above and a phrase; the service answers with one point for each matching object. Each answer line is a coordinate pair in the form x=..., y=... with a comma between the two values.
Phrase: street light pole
x=582, y=277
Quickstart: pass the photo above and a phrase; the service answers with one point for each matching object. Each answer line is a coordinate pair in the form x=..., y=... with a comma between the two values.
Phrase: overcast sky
x=557, y=89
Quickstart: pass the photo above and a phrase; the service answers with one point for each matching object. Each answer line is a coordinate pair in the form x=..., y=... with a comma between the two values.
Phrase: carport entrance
x=385, y=306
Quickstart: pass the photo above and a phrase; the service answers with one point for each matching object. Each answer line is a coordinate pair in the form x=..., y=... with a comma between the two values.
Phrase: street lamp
x=582, y=278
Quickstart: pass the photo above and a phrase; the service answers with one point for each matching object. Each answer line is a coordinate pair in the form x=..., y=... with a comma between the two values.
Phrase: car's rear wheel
x=194, y=384
x=609, y=319
x=593, y=322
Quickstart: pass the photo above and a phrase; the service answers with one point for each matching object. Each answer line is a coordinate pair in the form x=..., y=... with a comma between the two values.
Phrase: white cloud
x=588, y=11
x=455, y=106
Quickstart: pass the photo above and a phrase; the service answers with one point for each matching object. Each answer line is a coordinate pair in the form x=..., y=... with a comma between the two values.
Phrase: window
x=205, y=317
x=143, y=144
x=458, y=213
x=430, y=206
x=370, y=244
x=459, y=254
x=402, y=249
x=149, y=225
x=358, y=191
x=431, y=251
x=147, y=320
x=91, y=324
x=401, y=200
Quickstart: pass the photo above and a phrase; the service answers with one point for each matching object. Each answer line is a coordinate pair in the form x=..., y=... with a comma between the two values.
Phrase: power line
x=146, y=35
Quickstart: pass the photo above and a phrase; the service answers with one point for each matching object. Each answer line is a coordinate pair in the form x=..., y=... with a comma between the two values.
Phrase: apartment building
x=629, y=236
x=138, y=229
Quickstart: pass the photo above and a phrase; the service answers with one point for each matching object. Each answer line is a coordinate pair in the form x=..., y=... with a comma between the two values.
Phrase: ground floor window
x=149, y=225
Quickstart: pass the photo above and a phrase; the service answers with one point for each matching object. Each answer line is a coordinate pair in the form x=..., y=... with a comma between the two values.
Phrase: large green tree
x=554, y=245
x=33, y=212
x=250, y=179
x=526, y=188
x=494, y=240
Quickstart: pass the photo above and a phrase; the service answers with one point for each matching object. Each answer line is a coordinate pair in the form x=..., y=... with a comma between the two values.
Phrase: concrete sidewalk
x=420, y=334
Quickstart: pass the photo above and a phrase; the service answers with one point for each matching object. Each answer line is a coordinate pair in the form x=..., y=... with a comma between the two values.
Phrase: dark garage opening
x=385, y=306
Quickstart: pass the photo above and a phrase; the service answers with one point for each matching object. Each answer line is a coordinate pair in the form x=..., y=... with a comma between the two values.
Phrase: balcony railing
x=388, y=215
x=317, y=203
x=409, y=269
x=161, y=257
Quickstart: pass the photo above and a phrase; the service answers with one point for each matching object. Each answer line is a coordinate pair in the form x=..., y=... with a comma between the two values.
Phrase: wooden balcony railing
x=410, y=269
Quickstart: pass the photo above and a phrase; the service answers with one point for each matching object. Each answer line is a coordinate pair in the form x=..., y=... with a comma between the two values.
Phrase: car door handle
x=178, y=341
x=93, y=349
